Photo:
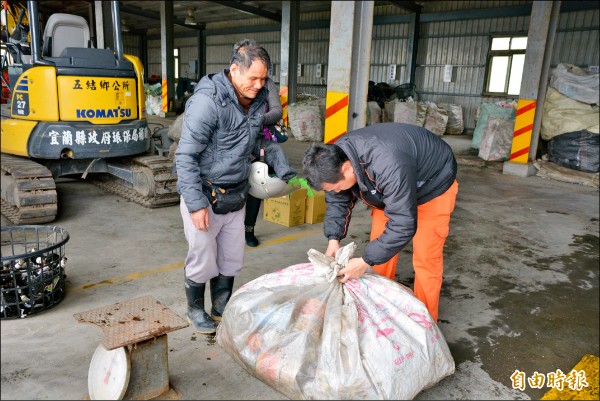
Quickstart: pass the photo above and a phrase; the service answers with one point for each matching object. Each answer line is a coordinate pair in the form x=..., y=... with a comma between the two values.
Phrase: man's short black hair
x=246, y=51
x=322, y=164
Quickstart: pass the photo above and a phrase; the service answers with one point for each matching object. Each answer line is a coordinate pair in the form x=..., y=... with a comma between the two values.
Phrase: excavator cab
x=72, y=109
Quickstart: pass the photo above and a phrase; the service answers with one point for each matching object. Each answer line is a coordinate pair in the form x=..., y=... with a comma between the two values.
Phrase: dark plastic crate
x=33, y=274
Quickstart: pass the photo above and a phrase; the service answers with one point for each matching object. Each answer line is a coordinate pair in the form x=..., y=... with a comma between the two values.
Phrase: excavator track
x=160, y=187
x=28, y=191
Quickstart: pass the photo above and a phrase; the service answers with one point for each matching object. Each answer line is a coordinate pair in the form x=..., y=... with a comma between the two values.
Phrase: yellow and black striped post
x=538, y=56
x=283, y=98
x=164, y=96
x=521, y=142
x=336, y=116
x=349, y=66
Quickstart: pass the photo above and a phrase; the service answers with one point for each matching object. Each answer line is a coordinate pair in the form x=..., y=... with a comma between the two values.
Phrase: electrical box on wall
x=392, y=72
x=319, y=70
x=300, y=70
x=448, y=73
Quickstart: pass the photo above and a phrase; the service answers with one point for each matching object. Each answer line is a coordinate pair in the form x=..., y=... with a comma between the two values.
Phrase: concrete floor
x=520, y=287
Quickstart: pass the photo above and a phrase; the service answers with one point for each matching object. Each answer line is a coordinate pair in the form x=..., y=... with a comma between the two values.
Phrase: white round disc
x=108, y=376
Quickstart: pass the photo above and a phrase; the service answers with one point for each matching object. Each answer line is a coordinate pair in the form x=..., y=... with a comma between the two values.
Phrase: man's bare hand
x=200, y=219
x=355, y=268
x=332, y=247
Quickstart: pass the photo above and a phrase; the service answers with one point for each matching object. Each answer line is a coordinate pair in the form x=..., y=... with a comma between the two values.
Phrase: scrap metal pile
x=30, y=284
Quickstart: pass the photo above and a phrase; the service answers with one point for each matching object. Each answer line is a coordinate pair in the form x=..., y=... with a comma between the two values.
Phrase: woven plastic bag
x=306, y=122
x=436, y=119
x=497, y=139
x=561, y=115
x=579, y=150
x=485, y=111
x=310, y=337
x=456, y=124
x=576, y=83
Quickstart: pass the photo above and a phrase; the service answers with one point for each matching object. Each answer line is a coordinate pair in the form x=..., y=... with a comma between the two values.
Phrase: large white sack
x=436, y=119
x=373, y=113
x=306, y=120
x=310, y=337
x=576, y=83
x=456, y=124
x=561, y=114
x=485, y=111
x=497, y=139
x=409, y=112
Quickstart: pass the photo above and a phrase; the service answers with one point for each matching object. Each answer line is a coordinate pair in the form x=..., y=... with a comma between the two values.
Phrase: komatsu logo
x=103, y=113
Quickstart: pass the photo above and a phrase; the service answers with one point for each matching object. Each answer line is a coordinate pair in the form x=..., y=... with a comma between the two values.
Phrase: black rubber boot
x=221, y=288
x=250, y=238
x=196, y=314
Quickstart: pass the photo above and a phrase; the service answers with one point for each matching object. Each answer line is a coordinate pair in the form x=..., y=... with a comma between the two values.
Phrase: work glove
x=298, y=183
x=294, y=183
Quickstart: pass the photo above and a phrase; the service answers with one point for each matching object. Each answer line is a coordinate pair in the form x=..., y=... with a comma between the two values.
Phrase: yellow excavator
x=70, y=108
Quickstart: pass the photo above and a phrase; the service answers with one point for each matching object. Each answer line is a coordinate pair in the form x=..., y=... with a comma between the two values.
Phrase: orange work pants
x=433, y=225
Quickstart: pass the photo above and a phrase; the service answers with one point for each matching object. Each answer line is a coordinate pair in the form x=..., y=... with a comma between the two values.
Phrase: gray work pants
x=220, y=250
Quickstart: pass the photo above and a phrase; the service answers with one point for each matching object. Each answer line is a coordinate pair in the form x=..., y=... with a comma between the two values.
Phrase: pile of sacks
x=441, y=119
x=571, y=118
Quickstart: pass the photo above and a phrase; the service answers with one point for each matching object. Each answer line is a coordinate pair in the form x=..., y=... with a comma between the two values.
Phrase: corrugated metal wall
x=462, y=43
x=577, y=38
x=313, y=49
x=219, y=48
x=132, y=44
x=389, y=46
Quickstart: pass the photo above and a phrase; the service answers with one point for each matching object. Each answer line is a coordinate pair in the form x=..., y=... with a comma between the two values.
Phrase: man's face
x=249, y=82
x=345, y=183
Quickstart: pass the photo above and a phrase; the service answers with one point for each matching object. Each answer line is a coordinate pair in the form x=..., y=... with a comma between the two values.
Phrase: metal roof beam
x=238, y=5
x=154, y=15
x=408, y=5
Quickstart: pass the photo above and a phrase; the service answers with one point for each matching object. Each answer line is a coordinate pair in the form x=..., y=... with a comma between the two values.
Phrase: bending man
x=408, y=176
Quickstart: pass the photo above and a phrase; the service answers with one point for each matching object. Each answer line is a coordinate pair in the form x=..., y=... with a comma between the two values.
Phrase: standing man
x=220, y=137
x=408, y=176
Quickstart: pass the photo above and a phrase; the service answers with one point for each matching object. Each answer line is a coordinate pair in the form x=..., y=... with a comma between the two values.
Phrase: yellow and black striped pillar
x=521, y=143
x=336, y=116
x=164, y=95
x=349, y=63
x=283, y=98
x=543, y=24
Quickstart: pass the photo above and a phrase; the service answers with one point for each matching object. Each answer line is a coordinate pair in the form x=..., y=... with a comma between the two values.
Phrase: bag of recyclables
x=308, y=336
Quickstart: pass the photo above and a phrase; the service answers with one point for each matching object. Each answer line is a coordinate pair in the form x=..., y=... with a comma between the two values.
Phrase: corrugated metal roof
x=145, y=15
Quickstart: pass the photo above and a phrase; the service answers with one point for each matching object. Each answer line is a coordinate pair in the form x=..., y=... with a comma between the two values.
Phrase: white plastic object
x=263, y=186
x=108, y=375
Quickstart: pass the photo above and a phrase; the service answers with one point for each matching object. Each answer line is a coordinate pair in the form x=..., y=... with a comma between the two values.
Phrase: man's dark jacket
x=219, y=140
x=397, y=166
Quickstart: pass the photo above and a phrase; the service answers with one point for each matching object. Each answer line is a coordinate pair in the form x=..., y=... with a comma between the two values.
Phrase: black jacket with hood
x=397, y=166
